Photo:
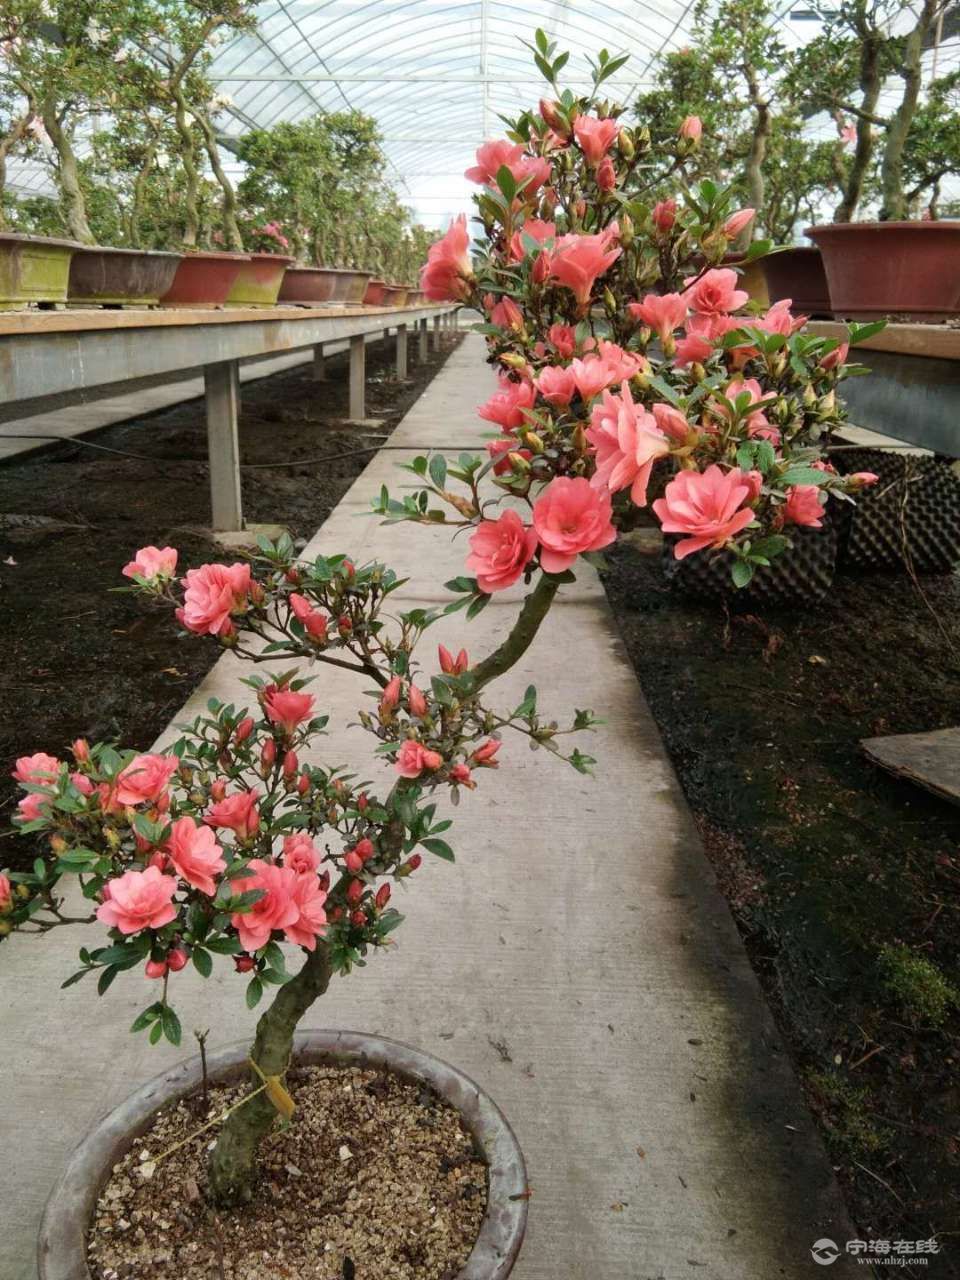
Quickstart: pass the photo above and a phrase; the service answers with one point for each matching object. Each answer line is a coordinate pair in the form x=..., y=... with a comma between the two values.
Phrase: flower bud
x=290, y=765
x=353, y=862
x=344, y=625
x=383, y=896
x=176, y=959
x=293, y=576
x=156, y=969
x=303, y=783
x=358, y=918
x=365, y=849
x=354, y=891
x=81, y=750
x=691, y=129
x=550, y=113
x=218, y=790
x=664, y=215
x=606, y=174
x=268, y=756
x=243, y=729
x=362, y=802
x=243, y=963
x=626, y=230
x=625, y=145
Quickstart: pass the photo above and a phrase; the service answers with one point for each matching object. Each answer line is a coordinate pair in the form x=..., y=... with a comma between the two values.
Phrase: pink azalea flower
x=671, y=422
x=779, y=320
x=537, y=230
x=38, y=769
x=557, y=384
x=82, y=784
x=660, y=312
x=139, y=900
x=577, y=261
x=570, y=517
x=238, y=813
x=311, y=619
x=693, y=349
x=413, y=758
x=595, y=137
x=532, y=170
x=447, y=273
x=506, y=406
x=300, y=853
x=308, y=897
x=606, y=174
x=707, y=506
x=6, y=893
x=716, y=292
x=626, y=442
x=563, y=339
x=152, y=563
x=491, y=156
x=507, y=314
x=144, y=780
x=276, y=909
x=33, y=806
x=286, y=707
x=622, y=364
x=592, y=375
x=737, y=221
x=758, y=425
x=195, y=854
x=803, y=506
x=500, y=550
x=212, y=594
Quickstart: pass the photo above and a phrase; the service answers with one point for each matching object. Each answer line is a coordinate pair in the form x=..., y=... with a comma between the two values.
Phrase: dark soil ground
x=826, y=860
x=79, y=660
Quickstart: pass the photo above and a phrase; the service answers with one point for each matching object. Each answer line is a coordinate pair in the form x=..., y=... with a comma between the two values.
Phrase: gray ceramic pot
x=61, y=1249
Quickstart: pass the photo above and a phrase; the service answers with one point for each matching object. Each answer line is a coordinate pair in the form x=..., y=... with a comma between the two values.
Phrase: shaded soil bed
x=830, y=866
x=82, y=661
x=374, y=1176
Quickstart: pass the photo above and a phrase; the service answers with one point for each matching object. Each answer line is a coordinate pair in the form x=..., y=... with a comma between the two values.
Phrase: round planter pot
x=910, y=270
x=203, y=279
x=801, y=576
x=106, y=277
x=314, y=286
x=395, y=295
x=258, y=280
x=798, y=274
x=61, y=1249
x=373, y=294
x=33, y=269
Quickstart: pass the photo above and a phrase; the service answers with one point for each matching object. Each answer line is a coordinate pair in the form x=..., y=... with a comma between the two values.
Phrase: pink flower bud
x=82, y=784
x=243, y=963
x=218, y=790
x=348, y=569
x=664, y=215
x=358, y=918
x=243, y=729
x=290, y=765
x=391, y=694
x=303, y=783
x=362, y=802
x=550, y=113
x=176, y=959
x=460, y=774
x=268, y=755
x=861, y=479
x=354, y=891
x=81, y=750
x=414, y=861
x=383, y=896
x=737, y=221
x=335, y=914
x=484, y=754
x=606, y=175
x=365, y=849
x=156, y=969
x=691, y=129
x=353, y=861
x=344, y=625
x=450, y=665
x=416, y=702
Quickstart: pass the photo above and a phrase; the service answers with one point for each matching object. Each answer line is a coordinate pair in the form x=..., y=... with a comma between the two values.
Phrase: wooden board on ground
x=931, y=760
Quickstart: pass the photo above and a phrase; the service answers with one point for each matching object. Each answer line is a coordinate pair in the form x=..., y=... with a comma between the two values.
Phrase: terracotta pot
x=33, y=269
x=798, y=274
x=310, y=286
x=61, y=1249
x=258, y=280
x=104, y=276
x=203, y=279
x=373, y=294
x=910, y=270
x=395, y=295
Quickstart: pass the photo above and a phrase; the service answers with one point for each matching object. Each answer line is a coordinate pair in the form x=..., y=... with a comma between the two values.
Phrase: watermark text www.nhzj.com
x=877, y=1253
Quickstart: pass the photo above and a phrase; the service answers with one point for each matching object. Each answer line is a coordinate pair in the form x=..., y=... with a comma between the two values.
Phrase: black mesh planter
x=802, y=575
x=909, y=518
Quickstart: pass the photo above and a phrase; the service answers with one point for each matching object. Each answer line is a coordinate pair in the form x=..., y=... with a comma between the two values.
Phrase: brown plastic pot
x=313, y=286
x=61, y=1248
x=33, y=269
x=373, y=294
x=910, y=270
x=258, y=280
x=203, y=279
x=107, y=277
x=798, y=274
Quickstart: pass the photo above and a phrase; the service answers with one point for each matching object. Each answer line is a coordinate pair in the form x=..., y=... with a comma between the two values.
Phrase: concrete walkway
x=577, y=961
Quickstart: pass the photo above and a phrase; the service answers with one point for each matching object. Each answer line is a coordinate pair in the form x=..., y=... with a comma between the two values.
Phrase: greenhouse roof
x=437, y=74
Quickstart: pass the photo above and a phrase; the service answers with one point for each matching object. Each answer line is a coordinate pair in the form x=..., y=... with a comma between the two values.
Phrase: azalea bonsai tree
x=235, y=840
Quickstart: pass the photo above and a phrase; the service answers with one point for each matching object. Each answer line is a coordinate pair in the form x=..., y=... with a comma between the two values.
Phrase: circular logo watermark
x=824, y=1252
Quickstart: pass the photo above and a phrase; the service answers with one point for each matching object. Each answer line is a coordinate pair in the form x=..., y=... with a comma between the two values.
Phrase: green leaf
x=438, y=470
x=742, y=573
x=170, y=1024
x=202, y=962
x=254, y=993
x=150, y=1014
x=440, y=848
x=506, y=182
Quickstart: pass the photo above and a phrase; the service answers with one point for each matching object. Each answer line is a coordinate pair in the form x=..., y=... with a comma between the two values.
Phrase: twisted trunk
x=233, y=1161
x=894, y=206
x=75, y=205
x=228, y=207
x=188, y=158
x=871, y=81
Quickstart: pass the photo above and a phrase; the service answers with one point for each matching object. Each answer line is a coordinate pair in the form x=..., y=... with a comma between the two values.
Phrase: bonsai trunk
x=16, y=133
x=74, y=202
x=758, y=152
x=894, y=206
x=188, y=158
x=871, y=80
x=228, y=206
x=232, y=1164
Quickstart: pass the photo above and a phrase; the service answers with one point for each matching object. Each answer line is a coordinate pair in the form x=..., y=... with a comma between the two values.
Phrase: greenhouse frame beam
x=388, y=78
